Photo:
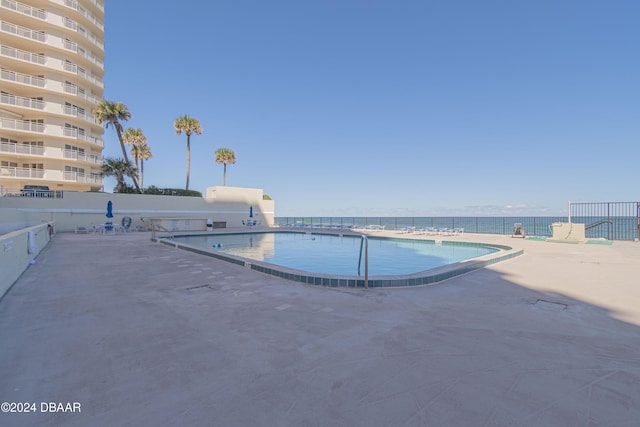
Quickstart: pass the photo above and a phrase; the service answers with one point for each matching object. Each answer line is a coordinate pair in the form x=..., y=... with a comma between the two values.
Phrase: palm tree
x=118, y=168
x=224, y=156
x=144, y=153
x=188, y=125
x=111, y=113
x=134, y=137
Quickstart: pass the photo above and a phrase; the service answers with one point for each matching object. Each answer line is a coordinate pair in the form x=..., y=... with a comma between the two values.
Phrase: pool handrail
x=364, y=240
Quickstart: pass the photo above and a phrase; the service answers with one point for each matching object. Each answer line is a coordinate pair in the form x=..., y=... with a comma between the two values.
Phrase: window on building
x=74, y=127
x=8, y=141
x=39, y=166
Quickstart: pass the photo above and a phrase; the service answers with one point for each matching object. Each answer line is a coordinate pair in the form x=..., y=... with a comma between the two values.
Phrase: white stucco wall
x=222, y=204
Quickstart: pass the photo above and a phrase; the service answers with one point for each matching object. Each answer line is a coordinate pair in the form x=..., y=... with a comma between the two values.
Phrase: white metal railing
x=22, y=31
x=77, y=155
x=75, y=90
x=90, y=16
x=20, y=101
x=73, y=25
x=23, y=8
x=73, y=46
x=36, y=58
x=75, y=112
x=82, y=177
x=79, y=134
x=364, y=241
x=21, y=78
x=21, y=125
x=21, y=172
x=7, y=147
x=74, y=68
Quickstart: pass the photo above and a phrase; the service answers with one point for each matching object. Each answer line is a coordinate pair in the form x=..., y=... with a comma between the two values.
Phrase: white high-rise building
x=52, y=67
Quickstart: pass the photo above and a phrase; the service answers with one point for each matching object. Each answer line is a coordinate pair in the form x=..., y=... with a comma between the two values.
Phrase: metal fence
x=609, y=220
x=538, y=226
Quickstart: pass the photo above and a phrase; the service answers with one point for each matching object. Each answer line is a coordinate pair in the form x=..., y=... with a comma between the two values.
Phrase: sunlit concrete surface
x=139, y=333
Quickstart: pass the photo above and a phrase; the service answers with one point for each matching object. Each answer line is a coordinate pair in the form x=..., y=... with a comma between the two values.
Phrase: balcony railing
x=12, y=172
x=82, y=177
x=7, y=147
x=23, y=8
x=73, y=46
x=78, y=134
x=73, y=25
x=75, y=112
x=20, y=101
x=75, y=90
x=90, y=16
x=21, y=78
x=22, y=54
x=22, y=31
x=51, y=152
x=21, y=125
x=73, y=68
x=76, y=155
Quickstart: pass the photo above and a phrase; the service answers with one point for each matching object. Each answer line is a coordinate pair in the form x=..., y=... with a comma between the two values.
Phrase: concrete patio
x=139, y=333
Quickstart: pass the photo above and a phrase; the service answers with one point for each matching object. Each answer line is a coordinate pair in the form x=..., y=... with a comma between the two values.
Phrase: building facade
x=52, y=68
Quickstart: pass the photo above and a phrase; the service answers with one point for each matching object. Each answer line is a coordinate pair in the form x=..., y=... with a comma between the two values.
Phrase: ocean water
x=597, y=226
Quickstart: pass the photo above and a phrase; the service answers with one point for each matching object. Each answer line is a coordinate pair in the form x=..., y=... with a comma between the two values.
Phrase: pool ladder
x=364, y=241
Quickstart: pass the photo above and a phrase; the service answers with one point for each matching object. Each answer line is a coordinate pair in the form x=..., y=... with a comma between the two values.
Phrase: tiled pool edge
x=423, y=278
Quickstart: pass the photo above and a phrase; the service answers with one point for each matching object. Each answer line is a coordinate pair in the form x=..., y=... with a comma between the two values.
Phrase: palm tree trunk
x=124, y=151
x=142, y=173
x=137, y=170
x=188, y=160
x=224, y=176
x=126, y=158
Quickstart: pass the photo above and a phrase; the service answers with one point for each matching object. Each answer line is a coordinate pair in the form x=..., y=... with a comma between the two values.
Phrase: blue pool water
x=338, y=255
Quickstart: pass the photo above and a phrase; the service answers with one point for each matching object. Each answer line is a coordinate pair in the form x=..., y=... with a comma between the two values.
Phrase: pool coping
x=421, y=278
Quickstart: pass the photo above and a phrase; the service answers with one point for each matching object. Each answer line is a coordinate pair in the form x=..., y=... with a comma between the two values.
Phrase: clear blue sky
x=376, y=108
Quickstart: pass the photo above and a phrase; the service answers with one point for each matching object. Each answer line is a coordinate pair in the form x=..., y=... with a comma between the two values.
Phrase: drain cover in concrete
x=550, y=304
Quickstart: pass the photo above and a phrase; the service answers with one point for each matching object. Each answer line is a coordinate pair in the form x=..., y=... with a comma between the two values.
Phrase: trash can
x=209, y=224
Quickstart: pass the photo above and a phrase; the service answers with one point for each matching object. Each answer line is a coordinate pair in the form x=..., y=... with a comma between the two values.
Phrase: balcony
x=21, y=78
x=83, y=157
x=75, y=90
x=52, y=130
x=81, y=10
x=50, y=175
x=23, y=32
x=27, y=150
x=81, y=135
x=25, y=125
x=73, y=25
x=11, y=172
x=73, y=68
x=82, y=177
x=19, y=101
x=23, y=55
x=73, y=47
x=23, y=8
x=75, y=112
x=30, y=150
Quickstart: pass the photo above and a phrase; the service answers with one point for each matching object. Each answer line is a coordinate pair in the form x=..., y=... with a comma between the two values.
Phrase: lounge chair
x=82, y=230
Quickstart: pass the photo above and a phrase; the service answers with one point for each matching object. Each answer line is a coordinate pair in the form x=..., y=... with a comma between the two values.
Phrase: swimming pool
x=332, y=259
